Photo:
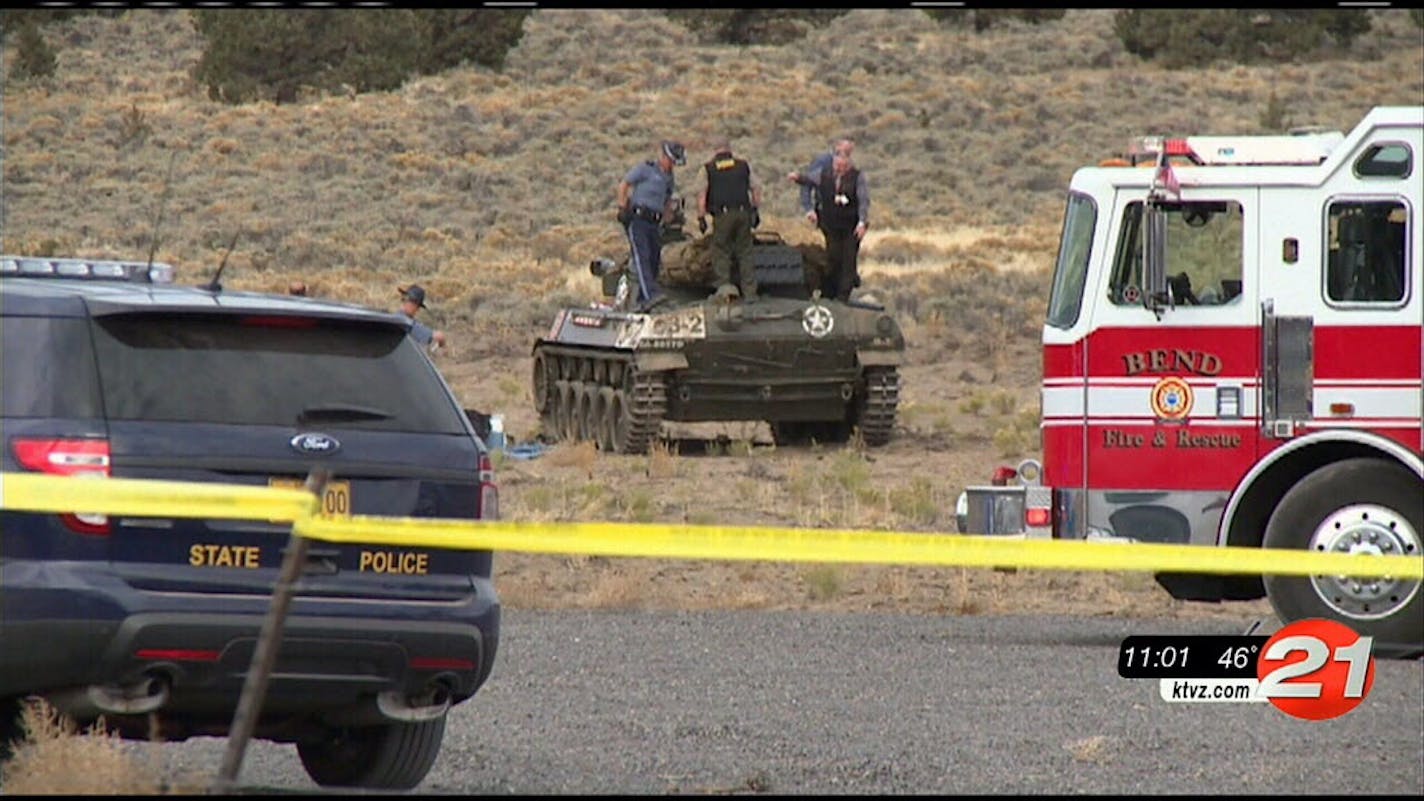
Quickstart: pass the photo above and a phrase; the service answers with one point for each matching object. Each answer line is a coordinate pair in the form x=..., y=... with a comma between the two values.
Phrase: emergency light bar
x=94, y=269
x=1309, y=146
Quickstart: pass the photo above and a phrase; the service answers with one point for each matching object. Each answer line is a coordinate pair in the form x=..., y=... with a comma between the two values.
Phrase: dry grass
x=969, y=140
x=1096, y=749
x=56, y=758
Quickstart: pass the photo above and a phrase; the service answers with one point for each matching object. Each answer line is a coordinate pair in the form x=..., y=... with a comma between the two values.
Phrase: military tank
x=814, y=369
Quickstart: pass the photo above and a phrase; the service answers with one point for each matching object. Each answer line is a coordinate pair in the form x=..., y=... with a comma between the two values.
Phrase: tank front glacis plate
x=666, y=331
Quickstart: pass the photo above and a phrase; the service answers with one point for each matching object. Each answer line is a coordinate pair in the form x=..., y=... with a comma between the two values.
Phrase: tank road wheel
x=875, y=405
x=542, y=385
x=1353, y=506
x=618, y=422
x=563, y=409
x=543, y=389
x=644, y=402
x=603, y=418
x=583, y=417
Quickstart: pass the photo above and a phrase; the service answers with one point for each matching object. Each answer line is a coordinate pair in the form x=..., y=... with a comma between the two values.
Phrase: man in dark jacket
x=809, y=201
x=731, y=196
x=843, y=214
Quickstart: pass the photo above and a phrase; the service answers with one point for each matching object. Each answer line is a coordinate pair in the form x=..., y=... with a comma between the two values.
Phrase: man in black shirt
x=731, y=196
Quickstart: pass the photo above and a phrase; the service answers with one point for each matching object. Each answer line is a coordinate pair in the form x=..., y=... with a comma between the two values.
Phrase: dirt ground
x=745, y=480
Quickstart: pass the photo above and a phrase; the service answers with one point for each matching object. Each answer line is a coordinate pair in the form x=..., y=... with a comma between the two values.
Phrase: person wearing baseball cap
x=412, y=301
x=645, y=199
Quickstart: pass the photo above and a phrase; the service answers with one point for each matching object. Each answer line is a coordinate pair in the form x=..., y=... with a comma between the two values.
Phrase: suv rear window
x=266, y=371
x=47, y=368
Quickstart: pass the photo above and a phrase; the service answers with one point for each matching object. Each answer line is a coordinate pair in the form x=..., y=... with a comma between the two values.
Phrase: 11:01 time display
x=1145, y=656
x=1188, y=656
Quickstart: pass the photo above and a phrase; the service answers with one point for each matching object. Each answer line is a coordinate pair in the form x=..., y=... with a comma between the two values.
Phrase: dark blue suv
x=109, y=369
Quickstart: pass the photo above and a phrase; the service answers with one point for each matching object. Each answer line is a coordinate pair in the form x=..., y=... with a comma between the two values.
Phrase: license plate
x=336, y=501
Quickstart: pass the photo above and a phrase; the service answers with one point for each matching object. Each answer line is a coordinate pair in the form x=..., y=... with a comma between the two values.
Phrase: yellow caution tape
x=34, y=492
x=152, y=498
x=842, y=545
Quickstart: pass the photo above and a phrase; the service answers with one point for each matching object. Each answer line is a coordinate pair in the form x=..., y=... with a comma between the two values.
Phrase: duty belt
x=647, y=214
x=724, y=209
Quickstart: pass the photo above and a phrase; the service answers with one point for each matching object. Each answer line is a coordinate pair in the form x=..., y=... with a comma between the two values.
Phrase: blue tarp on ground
x=528, y=450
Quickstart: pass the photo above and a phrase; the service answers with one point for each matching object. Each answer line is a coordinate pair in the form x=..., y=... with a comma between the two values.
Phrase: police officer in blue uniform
x=412, y=301
x=645, y=197
x=731, y=197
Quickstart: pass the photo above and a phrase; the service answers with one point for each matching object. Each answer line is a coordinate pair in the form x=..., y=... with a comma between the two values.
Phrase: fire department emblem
x=817, y=320
x=1172, y=398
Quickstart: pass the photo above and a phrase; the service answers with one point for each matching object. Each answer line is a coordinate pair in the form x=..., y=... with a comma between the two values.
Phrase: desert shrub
x=916, y=502
x=134, y=126
x=823, y=582
x=639, y=506
x=849, y=470
x=1181, y=37
x=745, y=26
x=270, y=55
x=476, y=36
x=985, y=18
x=34, y=58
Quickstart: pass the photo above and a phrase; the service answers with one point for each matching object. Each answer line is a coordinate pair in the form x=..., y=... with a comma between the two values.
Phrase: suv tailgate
x=260, y=399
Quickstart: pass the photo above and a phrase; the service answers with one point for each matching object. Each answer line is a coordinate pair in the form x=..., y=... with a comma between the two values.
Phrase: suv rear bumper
x=337, y=656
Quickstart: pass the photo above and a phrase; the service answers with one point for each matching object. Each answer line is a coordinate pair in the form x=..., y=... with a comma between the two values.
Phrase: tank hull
x=813, y=369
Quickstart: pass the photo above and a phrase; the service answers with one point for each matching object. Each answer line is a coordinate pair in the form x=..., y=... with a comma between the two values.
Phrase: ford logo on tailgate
x=315, y=443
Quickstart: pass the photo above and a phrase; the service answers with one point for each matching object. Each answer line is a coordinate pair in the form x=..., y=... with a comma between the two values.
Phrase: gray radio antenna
x=213, y=285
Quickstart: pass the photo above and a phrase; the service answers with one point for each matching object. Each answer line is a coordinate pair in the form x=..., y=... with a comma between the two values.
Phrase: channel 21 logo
x=1311, y=669
x=1316, y=669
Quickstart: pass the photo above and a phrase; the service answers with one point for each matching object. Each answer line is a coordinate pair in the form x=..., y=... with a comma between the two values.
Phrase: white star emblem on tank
x=817, y=320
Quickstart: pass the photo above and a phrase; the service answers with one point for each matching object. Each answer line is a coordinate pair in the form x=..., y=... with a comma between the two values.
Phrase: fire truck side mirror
x=1154, y=257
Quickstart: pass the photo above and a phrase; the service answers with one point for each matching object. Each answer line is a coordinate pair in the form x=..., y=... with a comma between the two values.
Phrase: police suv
x=110, y=369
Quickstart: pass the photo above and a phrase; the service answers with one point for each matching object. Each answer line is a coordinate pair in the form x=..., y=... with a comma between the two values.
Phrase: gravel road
x=791, y=703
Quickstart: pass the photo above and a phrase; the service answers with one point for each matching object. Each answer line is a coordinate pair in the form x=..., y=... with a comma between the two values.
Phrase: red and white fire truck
x=1232, y=356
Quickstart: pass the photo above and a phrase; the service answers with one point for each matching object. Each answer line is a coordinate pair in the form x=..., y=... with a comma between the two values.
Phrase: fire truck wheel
x=1382, y=512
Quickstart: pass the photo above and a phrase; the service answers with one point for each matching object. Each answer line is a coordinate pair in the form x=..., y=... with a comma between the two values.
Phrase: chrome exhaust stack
x=148, y=694
x=429, y=704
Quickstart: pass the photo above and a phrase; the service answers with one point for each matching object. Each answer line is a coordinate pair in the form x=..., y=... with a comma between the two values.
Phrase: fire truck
x=1232, y=356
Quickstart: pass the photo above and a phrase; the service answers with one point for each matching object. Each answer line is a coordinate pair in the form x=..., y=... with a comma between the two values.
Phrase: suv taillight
x=489, y=493
x=86, y=458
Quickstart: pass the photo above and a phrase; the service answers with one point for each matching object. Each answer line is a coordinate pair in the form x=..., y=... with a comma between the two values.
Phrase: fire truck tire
x=1383, y=513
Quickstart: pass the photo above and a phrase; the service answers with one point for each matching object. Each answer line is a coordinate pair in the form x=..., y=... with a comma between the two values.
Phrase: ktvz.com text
x=1211, y=690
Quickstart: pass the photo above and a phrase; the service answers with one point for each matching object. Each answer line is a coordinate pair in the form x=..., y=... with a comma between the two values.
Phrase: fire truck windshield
x=1069, y=274
x=1203, y=254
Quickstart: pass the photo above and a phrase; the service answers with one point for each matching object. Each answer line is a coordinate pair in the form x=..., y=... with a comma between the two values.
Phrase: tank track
x=645, y=415
x=598, y=397
x=875, y=412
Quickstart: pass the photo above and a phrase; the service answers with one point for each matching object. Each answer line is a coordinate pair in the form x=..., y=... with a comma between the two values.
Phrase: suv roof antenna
x=162, y=203
x=213, y=285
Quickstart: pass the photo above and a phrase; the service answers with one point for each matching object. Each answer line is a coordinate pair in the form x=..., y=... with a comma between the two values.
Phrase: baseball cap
x=675, y=151
x=415, y=293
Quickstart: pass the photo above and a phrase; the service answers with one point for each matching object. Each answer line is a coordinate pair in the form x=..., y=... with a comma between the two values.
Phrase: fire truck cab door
x=1171, y=406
